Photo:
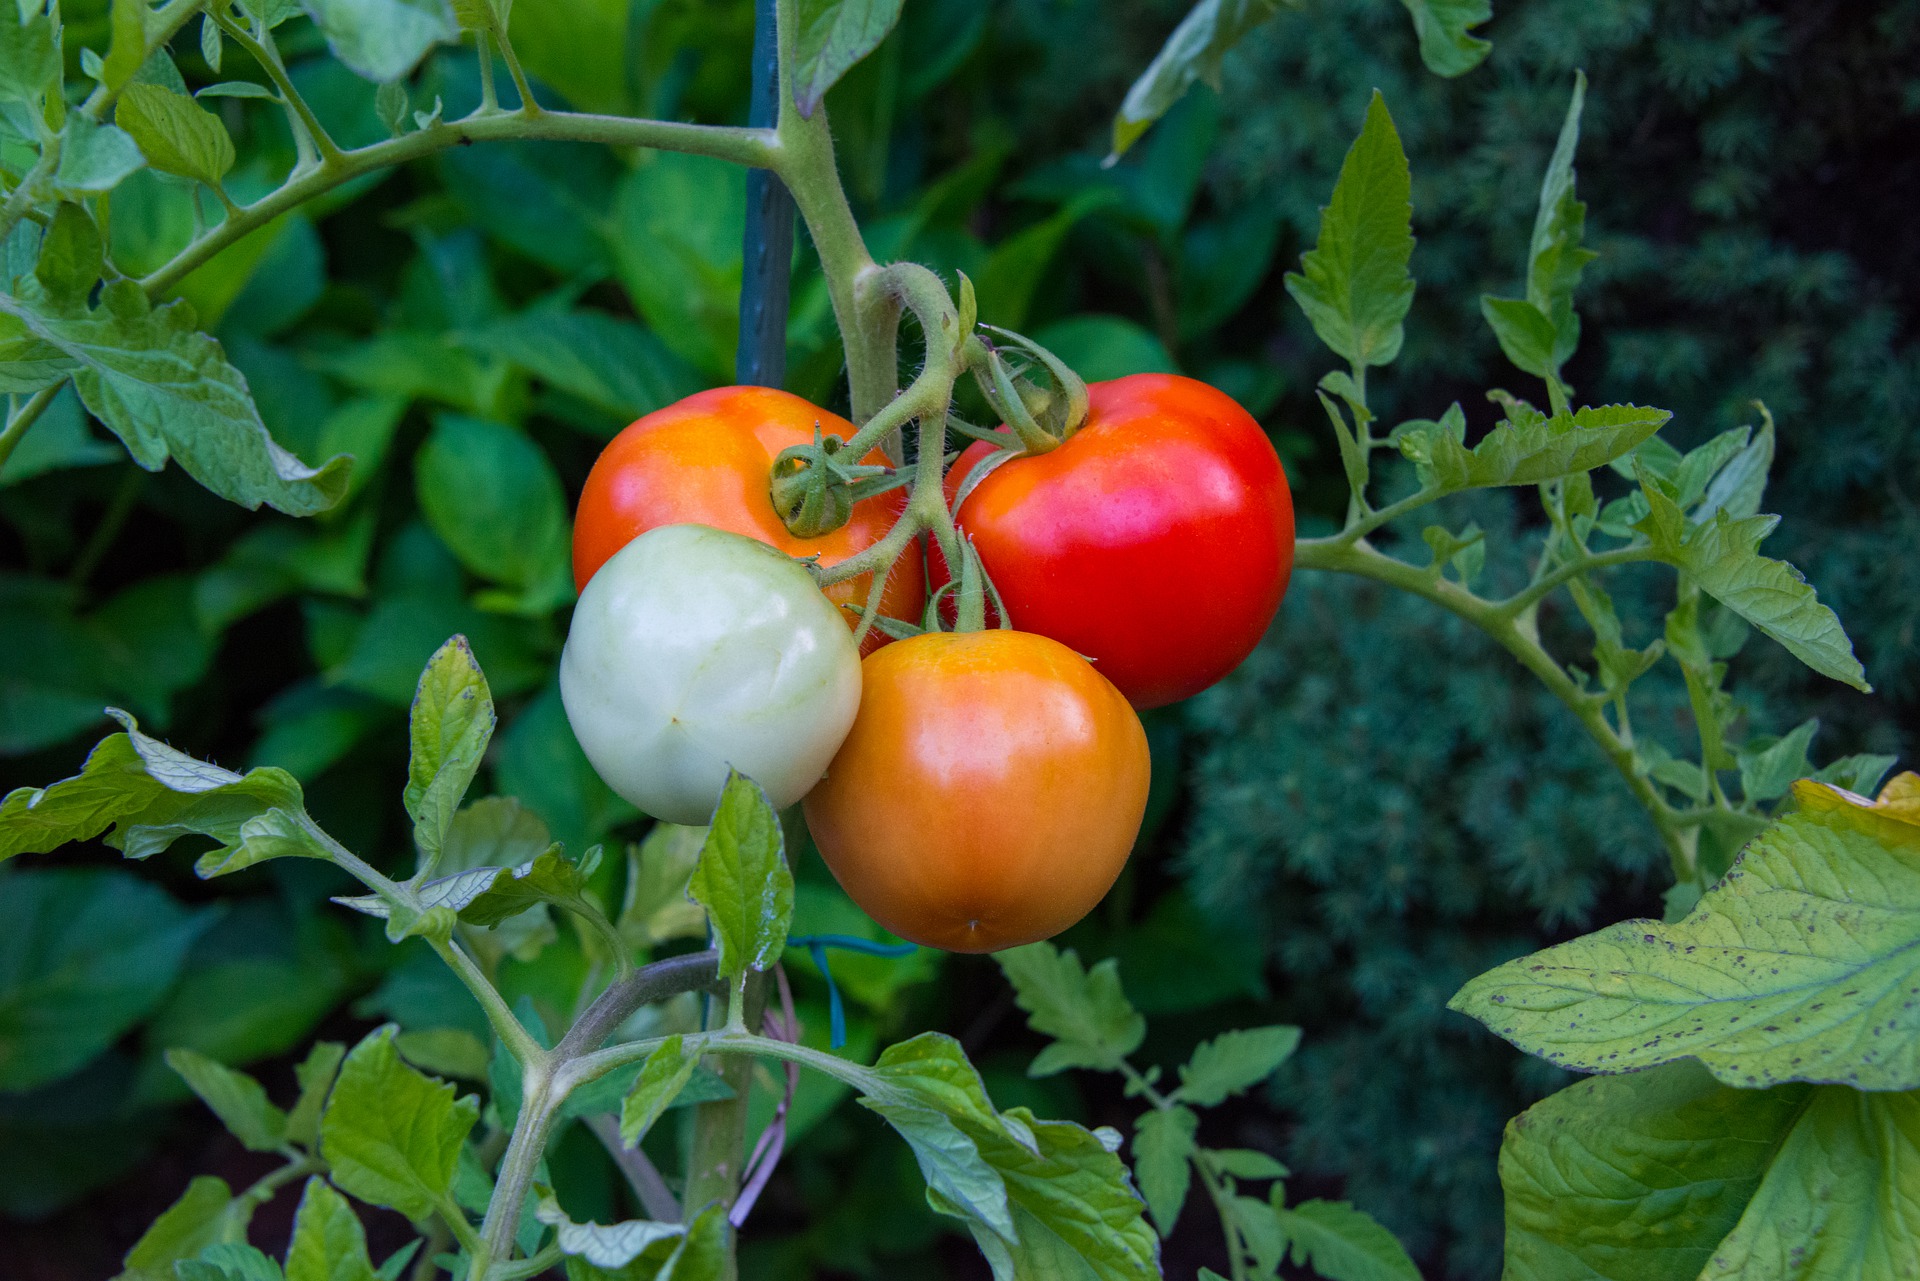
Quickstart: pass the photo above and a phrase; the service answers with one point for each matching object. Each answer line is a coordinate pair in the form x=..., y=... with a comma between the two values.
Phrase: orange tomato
x=988, y=794
x=706, y=460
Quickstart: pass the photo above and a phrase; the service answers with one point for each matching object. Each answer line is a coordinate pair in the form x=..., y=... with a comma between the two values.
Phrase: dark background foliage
x=1378, y=806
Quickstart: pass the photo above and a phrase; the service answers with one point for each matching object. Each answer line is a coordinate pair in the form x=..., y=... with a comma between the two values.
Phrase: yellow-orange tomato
x=988, y=794
x=706, y=460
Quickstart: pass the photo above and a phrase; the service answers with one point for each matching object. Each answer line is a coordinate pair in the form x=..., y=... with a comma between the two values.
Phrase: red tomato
x=1157, y=540
x=988, y=793
x=705, y=461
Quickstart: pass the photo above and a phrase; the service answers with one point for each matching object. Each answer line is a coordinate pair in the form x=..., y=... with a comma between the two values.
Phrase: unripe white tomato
x=692, y=650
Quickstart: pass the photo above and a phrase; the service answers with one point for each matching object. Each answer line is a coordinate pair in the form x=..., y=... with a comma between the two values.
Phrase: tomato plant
x=641, y=1009
x=705, y=461
x=1156, y=540
x=694, y=651
x=988, y=793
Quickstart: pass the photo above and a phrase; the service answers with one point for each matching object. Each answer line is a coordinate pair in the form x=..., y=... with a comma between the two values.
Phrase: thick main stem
x=531, y=1129
x=869, y=320
x=714, y=1166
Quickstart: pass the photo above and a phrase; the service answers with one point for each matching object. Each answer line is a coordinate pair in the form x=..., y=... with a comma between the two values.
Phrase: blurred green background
x=1377, y=807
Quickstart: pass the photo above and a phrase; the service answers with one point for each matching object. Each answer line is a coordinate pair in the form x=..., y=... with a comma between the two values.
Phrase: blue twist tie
x=817, y=945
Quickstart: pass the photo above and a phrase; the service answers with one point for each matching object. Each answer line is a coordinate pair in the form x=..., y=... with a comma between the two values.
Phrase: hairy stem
x=268, y=56
x=23, y=197
x=805, y=163
x=714, y=1165
x=517, y=1039
x=646, y=986
x=538, y=1106
x=1210, y=1177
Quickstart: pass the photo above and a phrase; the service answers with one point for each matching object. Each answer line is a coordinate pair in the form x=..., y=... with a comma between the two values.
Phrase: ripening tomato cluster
x=970, y=790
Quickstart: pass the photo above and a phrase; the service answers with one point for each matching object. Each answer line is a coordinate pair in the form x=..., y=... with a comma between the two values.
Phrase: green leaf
x=656, y=907
x=1531, y=447
x=743, y=880
x=509, y=891
x=497, y=832
x=382, y=40
x=328, y=1242
x=203, y=1216
x=610, y=363
x=127, y=43
x=1234, y=1061
x=1556, y=258
x=1245, y=1163
x=211, y=45
x=1858, y=774
x=228, y=1261
x=450, y=725
x=678, y=230
x=661, y=1078
x=94, y=157
x=395, y=1263
x=167, y=391
x=401, y=364
x=493, y=498
x=1767, y=773
x=391, y=1135
x=1162, y=1148
x=1013, y=271
x=444, y=1051
x=70, y=253
x=237, y=1099
x=29, y=64
x=1193, y=52
x=316, y=1074
x=1667, y=1175
x=1086, y=1012
x=1802, y=964
x=1354, y=285
x=644, y=1251
x=1722, y=554
x=151, y=796
x=1738, y=488
x=176, y=135
x=87, y=955
x=831, y=36
x=540, y=761
x=1444, y=27
x=1071, y=1208
x=392, y=646
x=611, y=1245
x=584, y=53
x=1344, y=1244
x=1526, y=335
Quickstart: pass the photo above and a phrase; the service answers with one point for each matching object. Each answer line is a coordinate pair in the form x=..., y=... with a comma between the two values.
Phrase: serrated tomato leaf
x=1803, y=964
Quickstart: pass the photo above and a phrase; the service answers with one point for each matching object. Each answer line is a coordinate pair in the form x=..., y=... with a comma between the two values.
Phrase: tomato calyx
x=814, y=490
x=1040, y=417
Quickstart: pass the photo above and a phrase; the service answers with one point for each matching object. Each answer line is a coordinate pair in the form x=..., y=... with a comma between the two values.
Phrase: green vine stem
x=1210, y=1177
x=754, y=147
x=307, y=126
x=24, y=417
x=1510, y=623
x=715, y=1162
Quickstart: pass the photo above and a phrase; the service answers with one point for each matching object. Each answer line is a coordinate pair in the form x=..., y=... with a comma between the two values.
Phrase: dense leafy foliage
x=1409, y=808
